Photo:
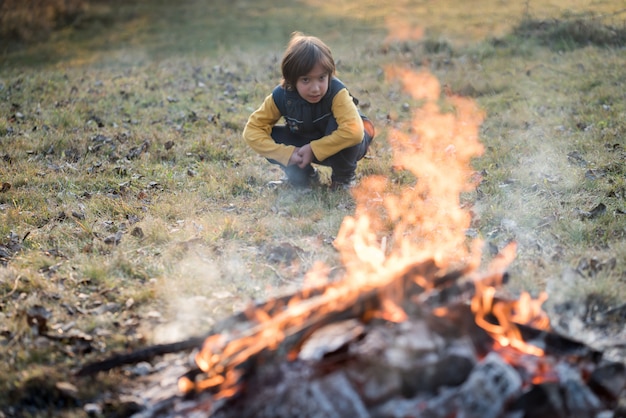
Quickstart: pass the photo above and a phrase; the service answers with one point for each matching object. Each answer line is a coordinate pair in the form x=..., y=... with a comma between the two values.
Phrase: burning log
x=288, y=324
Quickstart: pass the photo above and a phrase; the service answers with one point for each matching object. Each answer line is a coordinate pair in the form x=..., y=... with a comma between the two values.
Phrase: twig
x=277, y=273
x=17, y=280
x=140, y=355
x=615, y=309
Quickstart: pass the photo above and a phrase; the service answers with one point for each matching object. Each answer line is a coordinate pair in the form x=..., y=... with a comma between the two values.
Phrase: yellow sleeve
x=349, y=131
x=258, y=129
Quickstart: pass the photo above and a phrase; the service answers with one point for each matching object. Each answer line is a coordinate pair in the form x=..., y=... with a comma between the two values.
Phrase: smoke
x=201, y=288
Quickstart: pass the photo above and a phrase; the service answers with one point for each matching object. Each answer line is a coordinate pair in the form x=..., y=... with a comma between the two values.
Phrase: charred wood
x=137, y=356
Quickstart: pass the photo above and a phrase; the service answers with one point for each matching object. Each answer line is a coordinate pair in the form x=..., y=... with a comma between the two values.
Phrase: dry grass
x=136, y=214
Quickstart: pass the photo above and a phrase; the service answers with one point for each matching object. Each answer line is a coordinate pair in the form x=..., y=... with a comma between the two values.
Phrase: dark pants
x=343, y=163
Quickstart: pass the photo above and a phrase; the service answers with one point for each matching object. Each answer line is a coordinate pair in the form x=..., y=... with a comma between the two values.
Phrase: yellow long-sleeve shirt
x=349, y=132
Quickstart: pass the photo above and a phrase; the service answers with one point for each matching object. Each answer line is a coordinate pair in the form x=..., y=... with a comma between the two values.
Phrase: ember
x=414, y=328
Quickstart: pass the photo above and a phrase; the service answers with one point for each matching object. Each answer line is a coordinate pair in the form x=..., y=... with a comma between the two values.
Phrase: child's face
x=313, y=86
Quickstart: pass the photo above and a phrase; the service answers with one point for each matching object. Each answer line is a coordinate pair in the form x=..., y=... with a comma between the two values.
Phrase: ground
x=132, y=213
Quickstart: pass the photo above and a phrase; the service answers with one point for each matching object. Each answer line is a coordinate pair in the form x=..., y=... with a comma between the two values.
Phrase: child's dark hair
x=301, y=55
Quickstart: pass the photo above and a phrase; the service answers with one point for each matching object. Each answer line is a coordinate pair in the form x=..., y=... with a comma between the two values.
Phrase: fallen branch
x=143, y=354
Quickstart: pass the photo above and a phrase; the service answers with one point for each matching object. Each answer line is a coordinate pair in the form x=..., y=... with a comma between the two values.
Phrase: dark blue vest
x=303, y=118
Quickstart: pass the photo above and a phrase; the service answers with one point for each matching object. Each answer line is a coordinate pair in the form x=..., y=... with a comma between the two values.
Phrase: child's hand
x=306, y=154
x=295, y=158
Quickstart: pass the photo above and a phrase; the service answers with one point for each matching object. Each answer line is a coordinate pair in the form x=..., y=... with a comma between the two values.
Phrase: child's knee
x=369, y=129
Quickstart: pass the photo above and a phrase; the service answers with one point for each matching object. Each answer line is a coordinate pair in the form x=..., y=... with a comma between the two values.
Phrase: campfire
x=390, y=236
x=416, y=327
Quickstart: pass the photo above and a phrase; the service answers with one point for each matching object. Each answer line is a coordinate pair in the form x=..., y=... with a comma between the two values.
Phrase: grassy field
x=132, y=212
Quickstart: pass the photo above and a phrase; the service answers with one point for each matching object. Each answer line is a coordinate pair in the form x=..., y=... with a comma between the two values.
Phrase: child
x=323, y=125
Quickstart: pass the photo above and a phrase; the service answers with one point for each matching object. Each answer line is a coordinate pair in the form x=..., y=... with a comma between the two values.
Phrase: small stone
x=92, y=409
x=67, y=389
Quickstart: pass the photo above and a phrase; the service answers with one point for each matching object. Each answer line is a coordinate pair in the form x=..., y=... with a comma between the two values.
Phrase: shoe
x=314, y=177
x=343, y=183
x=306, y=178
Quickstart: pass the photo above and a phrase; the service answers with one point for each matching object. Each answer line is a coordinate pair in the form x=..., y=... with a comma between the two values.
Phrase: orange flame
x=508, y=313
x=424, y=220
x=392, y=312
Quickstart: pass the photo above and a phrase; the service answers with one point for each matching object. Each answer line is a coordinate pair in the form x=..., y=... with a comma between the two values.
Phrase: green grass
x=130, y=124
